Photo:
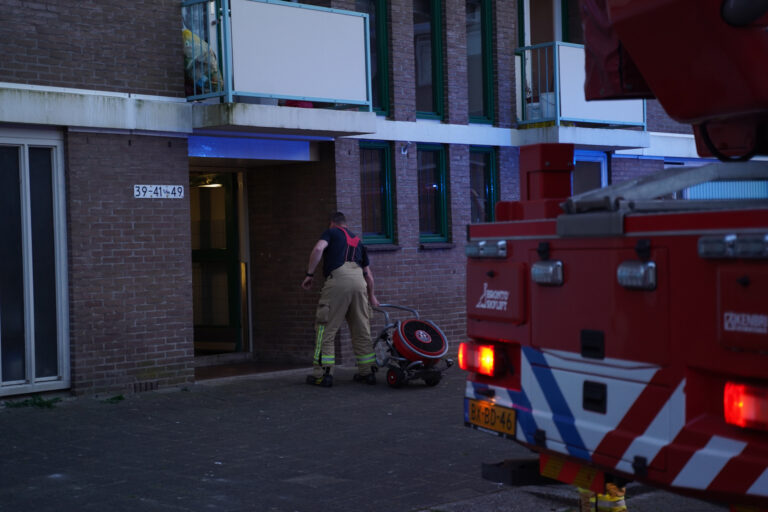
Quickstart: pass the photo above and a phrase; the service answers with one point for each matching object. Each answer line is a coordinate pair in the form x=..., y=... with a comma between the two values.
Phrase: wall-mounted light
x=404, y=149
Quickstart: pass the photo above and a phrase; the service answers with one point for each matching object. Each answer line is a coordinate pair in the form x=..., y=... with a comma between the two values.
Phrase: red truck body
x=603, y=367
x=622, y=334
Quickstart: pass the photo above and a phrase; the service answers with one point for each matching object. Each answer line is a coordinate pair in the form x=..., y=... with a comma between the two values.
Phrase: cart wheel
x=395, y=377
x=433, y=380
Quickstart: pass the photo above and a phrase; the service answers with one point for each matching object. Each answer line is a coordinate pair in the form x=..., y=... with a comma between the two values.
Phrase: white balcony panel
x=290, y=50
x=573, y=106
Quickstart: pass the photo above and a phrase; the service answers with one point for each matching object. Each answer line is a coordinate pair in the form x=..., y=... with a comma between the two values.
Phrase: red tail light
x=745, y=406
x=482, y=359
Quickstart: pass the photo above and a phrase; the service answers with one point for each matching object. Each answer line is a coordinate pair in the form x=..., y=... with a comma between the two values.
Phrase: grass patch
x=35, y=401
x=115, y=399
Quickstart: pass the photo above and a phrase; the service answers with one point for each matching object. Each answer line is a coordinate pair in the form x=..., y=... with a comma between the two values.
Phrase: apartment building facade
x=167, y=166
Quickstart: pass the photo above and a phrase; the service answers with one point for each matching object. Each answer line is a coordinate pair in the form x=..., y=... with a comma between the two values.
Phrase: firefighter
x=347, y=294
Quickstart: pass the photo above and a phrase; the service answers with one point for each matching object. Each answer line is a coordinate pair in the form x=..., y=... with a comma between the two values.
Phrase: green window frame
x=376, y=192
x=483, y=182
x=432, y=43
x=486, y=62
x=433, y=193
x=379, y=46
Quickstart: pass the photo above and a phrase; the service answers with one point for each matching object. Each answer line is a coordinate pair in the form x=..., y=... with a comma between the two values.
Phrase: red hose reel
x=422, y=340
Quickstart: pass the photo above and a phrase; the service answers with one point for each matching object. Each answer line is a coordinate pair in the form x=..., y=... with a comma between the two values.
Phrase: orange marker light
x=482, y=359
x=486, y=360
x=463, y=348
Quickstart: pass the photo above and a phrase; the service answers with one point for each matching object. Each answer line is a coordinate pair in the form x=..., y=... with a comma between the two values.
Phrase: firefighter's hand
x=374, y=301
x=307, y=283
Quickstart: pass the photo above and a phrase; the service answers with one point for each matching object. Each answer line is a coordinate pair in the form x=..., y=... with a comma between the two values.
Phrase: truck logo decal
x=495, y=300
x=745, y=322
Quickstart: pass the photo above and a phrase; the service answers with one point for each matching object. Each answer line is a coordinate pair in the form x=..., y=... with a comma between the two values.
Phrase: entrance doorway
x=218, y=272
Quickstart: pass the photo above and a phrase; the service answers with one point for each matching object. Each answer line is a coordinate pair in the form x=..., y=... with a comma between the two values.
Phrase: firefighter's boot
x=613, y=500
x=325, y=381
x=369, y=378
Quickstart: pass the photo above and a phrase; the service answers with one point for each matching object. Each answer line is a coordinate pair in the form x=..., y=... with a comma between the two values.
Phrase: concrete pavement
x=267, y=442
x=261, y=443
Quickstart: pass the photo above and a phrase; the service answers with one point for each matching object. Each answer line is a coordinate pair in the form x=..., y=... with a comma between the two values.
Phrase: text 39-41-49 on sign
x=158, y=191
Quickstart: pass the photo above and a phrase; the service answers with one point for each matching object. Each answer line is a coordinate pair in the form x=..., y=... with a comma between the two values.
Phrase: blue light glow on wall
x=249, y=148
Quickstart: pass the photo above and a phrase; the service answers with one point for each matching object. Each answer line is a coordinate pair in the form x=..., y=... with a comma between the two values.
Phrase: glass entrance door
x=216, y=269
x=33, y=287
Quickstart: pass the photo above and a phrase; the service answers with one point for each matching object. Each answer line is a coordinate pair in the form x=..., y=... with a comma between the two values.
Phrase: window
x=722, y=189
x=377, y=19
x=33, y=310
x=589, y=172
x=479, y=60
x=544, y=21
x=482, y=183
x=427, y=47
x=572, y=29
x=433, y=214
x=376, y=192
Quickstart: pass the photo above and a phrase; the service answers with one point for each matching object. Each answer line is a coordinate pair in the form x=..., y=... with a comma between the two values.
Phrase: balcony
x=549, y=80
x=277, y=67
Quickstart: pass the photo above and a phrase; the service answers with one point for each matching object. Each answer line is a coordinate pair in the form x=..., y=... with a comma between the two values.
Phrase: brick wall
x=110, y=45
x=402, y=74
x=288, y=210
x=455, y=59
x=129, y=264
x=505, y=42
x=623, y=169
x=509, y=174
x=294, y=200
x=429, y=278
x=658, y=120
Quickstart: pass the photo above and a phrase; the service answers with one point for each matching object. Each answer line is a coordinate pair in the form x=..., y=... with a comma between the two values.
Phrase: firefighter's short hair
x=338, y=218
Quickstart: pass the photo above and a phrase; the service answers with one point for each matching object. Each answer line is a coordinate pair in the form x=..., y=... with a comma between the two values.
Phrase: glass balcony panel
x=550, y=80
x=253, y=54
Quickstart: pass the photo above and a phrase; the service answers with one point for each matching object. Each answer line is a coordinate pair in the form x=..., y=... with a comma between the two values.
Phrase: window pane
x=369, y=7
x=12, y=330
x=372, y=175
x=475, y=59
x=479, y=168
x=573, y=28
x=210, y=287
x=429, y=193
x=44, y=261
x=728, y=189
x=422, y=47
x=586, y=176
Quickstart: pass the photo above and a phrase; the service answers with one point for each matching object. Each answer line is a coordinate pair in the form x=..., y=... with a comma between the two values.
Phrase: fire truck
x=619, y=333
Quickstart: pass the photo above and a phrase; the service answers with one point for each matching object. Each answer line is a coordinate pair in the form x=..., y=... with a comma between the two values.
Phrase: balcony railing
x=270, y=51
x=550, y=90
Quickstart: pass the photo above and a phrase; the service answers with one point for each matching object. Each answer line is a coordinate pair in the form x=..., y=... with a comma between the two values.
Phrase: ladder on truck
x=600, y=212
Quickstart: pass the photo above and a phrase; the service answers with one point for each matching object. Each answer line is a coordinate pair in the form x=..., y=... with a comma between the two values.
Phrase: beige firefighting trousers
x=344, y=296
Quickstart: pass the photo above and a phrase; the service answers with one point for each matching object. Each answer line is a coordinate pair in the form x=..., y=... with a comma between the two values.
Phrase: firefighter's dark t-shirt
x=335, y=254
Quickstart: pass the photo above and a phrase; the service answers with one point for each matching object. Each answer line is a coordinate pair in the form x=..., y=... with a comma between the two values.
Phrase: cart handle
x=386, y=313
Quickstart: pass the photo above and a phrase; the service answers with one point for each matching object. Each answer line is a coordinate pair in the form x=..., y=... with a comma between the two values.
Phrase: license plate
x=493, y=417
